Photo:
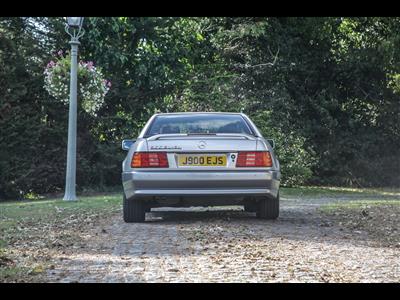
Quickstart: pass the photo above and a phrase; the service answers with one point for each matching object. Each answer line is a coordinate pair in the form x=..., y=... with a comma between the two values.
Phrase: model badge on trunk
x=165, y=147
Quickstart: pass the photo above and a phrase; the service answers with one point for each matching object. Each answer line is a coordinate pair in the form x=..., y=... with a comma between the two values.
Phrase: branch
x=269, y=63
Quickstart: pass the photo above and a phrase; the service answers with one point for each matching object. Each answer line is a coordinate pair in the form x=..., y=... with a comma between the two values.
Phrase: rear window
x=198, y=124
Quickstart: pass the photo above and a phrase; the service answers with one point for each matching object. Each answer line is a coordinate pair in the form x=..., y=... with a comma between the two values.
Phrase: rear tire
x=268, y=208
x=134, y=210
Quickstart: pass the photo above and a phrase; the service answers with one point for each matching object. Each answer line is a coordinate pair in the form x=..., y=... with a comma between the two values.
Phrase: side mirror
x=126, y=144
x=271, y=142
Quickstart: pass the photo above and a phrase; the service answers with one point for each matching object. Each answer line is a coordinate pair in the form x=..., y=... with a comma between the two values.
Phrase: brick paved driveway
x=228, y=245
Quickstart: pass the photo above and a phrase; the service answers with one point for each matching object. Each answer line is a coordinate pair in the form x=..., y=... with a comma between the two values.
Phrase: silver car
x=200, y=159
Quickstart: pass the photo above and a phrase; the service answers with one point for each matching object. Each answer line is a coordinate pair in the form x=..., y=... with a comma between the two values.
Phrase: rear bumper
x=148, y=184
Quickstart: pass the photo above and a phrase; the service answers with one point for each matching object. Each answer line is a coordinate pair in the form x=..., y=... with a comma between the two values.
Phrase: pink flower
x=109, y=84
x=51, y=64
x=60, y=53
x=89, y=65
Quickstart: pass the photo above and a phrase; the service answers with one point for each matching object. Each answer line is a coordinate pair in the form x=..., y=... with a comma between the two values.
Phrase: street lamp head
x=74, y=27
x=75, y=22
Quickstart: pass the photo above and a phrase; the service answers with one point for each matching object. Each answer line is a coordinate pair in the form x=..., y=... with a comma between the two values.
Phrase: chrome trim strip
x=154, y=192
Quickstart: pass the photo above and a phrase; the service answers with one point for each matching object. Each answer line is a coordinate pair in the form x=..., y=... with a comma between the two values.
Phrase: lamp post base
x=70, y=198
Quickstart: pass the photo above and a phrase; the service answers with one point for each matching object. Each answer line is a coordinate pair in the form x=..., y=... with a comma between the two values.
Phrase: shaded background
x=326, y=89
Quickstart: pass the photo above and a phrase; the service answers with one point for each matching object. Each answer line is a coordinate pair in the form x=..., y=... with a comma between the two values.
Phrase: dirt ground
x=226, y=244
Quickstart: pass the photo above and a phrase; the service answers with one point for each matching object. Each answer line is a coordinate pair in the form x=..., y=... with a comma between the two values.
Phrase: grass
x=15, y=211
x=29, y=226
x=358, y=204
x=340, y=192
x=12, y=272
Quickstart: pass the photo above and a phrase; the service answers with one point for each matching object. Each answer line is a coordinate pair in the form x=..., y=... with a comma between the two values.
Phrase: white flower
x=93, y=92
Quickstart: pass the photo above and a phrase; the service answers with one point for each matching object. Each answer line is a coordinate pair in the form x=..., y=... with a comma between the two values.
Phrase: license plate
x=202, y=160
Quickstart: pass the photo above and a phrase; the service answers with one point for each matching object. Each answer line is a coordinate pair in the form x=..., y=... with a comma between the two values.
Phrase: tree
x=326, y=79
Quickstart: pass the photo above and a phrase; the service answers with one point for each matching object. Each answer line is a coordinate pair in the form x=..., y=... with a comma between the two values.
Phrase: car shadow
x=196, y=214
x=170, y=215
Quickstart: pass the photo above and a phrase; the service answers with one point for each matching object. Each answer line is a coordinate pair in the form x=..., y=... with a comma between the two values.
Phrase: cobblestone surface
x=228, y=245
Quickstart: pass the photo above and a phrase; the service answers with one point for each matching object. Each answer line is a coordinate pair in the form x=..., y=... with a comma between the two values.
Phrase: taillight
x=254, y=159
x=149, y=160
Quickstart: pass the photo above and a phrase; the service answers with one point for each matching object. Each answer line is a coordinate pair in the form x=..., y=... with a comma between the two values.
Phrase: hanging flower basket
x=92, y=86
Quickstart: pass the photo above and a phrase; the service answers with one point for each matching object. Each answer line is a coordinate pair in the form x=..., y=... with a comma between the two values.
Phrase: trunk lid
x=202, y=143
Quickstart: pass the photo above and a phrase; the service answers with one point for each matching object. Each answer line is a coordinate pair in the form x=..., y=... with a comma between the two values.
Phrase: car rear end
x=219, y=159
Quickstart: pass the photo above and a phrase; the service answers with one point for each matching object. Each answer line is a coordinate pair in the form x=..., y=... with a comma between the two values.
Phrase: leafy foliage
x=324, y=79
x=326, y=89
x=295, y=157
x=92, y=86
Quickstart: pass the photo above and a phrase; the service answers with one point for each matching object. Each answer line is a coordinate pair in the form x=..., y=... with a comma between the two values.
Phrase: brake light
x=149, y=160
x=254, y=159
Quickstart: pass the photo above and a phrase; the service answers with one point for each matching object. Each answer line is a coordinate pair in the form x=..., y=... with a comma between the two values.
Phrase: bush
x=295, y=157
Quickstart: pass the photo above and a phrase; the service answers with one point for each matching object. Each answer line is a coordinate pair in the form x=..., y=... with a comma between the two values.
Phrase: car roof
x=200, y=112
